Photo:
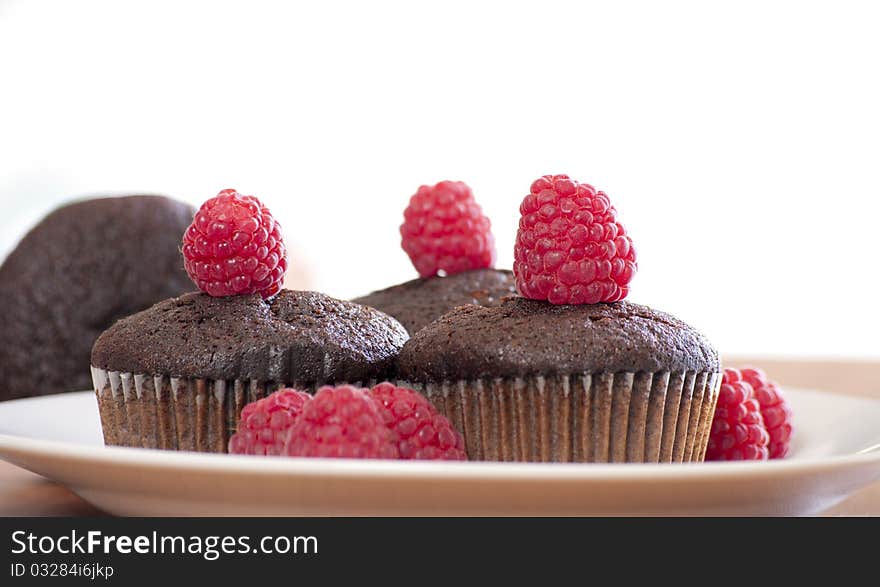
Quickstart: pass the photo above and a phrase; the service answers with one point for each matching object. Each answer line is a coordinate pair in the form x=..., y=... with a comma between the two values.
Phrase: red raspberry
x=738, y=432
x=445, y=230
x=341, y=422
x=420, y=431
x=570, y=248
x=775, y=410
x=265, y=423
x=234, y=246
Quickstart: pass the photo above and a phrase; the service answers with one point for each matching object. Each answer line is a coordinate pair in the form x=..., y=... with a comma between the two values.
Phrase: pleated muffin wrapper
x=175, y=413
x=660, y=417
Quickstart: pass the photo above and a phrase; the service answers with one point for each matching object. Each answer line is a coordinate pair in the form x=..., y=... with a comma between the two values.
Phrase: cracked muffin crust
x=176, y=376
x=532, y=381
x=419, y=302
x=524, y=337
x=297, y=336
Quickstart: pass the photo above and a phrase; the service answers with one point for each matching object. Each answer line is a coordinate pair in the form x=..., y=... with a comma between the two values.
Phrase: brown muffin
x=177, y=375
x=531, y=381
x=419, y=302
x=76, y=272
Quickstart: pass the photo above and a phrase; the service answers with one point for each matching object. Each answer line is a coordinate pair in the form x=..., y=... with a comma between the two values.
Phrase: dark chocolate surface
x=419, y=302
x=303, y=337
x=81, y=268
x=528, y=337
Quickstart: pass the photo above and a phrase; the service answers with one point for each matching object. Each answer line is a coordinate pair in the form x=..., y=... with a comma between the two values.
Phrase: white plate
x=836, y=451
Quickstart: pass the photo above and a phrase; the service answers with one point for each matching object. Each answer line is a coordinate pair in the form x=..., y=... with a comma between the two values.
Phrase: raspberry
x=265, y=423
x=570, y=248
x=341, y=422
x=234, y=246
x=738, y=432
x=419, y=430
x=775, y=410
x=445, y=230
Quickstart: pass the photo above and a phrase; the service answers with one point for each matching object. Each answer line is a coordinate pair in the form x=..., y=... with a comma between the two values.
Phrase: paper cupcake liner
x=174, y=413
x=661, y=417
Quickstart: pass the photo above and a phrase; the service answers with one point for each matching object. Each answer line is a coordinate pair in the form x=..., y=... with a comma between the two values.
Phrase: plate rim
x=14, y=445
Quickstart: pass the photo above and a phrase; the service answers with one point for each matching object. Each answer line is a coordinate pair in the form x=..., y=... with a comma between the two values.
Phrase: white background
x=739, y=142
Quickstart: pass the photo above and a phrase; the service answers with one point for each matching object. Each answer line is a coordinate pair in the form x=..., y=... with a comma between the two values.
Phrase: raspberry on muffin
x=450, y=243
x=568, y=371
x=177, y=375
x=445, y=231
x=570, y=246
x=234, y=247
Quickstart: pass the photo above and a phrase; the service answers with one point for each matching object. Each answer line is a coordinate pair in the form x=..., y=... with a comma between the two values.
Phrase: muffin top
x=298, y=337
x=524, y=337
x=84, y=266
x=419, y=302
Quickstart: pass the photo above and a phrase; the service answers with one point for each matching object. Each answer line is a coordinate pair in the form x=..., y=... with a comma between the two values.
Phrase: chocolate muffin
x=177, y=375
x=531, y=381
x=419, y=302
x=76, y=272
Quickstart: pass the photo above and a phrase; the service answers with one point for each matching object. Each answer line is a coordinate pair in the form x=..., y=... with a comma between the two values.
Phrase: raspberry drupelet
x=570, y=247
x=445, y=231
x=234, y=247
